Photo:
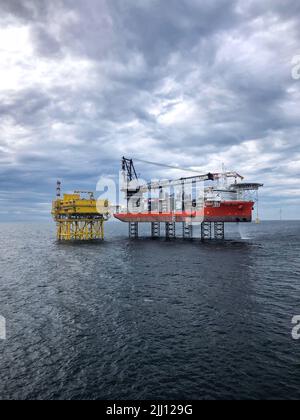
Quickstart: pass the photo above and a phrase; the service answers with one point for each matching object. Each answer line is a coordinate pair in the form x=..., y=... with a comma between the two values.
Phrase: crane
x=129, y=169
x=172, y=201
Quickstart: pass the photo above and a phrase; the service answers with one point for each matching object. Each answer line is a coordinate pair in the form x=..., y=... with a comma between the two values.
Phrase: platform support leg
x=155, y=230
x=170, y=230
x=206, y=231
x=219, y=231
x=187, y=230
x=133, y=230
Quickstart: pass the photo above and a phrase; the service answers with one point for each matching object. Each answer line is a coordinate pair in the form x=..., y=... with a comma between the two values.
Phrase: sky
x=195, y=83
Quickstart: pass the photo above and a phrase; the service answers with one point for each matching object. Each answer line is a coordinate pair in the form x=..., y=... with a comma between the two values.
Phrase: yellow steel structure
x=79, y=218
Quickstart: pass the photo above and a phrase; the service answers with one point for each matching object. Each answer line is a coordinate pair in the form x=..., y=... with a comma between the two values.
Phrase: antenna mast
x=58, y=189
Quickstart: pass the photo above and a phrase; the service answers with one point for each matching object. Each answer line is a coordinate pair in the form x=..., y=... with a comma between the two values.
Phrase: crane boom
x=128, y=166
x=172, y=183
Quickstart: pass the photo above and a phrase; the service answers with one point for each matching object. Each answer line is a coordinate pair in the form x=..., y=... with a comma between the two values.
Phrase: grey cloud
x=25, y=106
x=182, y=81
x=284, y=10
x=45, y=43
x=158, y=28
x=26, y=10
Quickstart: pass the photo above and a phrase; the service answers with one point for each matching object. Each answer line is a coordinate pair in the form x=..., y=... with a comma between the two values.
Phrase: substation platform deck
x=80, y=219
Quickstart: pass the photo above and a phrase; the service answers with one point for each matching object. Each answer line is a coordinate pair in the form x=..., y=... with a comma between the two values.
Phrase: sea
x=148, y=319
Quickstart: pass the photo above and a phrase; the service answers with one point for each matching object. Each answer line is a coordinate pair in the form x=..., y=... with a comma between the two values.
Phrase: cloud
x=184, y=82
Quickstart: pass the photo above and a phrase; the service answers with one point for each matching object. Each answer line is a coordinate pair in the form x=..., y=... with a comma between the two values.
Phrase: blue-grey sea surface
x=150, y=319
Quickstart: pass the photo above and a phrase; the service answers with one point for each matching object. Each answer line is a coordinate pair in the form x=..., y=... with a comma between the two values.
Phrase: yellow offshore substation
x=79, y=216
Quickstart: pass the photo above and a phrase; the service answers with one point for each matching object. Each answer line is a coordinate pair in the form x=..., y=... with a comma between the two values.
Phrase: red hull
x=229, y=212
